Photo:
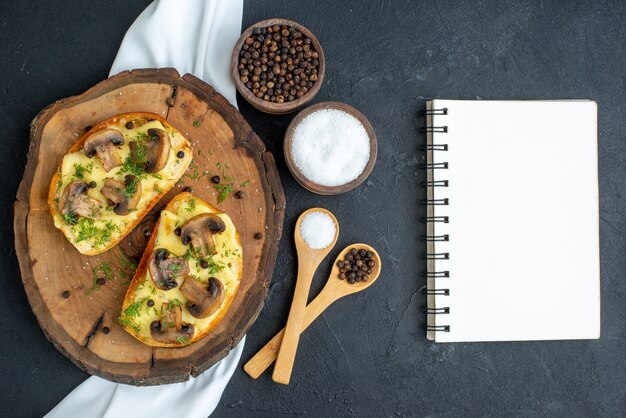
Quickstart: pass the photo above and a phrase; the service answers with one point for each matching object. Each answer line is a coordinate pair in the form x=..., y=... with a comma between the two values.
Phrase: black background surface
x=367, y=355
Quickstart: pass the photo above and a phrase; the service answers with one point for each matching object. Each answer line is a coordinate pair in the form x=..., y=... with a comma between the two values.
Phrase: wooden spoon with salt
x=308, y=261
x=333, y=290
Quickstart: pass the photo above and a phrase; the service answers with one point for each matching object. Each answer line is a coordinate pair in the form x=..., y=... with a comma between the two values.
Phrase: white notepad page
x=523, y=221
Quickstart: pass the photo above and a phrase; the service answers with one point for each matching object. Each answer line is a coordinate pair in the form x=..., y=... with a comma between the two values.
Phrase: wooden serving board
x=83, y=325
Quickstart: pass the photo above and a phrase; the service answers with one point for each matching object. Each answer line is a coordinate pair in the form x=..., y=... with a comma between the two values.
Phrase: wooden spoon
x=333, y=290
x=308, y=260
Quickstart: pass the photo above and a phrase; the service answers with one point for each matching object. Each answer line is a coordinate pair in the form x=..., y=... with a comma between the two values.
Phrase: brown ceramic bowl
x=295, y=171
x=272, y=107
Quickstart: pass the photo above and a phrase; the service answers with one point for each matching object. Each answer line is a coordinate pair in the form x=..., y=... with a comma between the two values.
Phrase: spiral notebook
x=512, y=221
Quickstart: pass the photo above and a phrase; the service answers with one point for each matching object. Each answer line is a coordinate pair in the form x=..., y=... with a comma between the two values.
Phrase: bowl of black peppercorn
x=278, y=66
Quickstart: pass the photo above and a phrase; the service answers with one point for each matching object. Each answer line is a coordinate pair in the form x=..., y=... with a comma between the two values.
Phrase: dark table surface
x=367, y=355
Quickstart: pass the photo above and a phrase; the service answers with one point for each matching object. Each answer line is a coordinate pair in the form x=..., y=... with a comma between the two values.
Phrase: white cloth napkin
x=193, y=36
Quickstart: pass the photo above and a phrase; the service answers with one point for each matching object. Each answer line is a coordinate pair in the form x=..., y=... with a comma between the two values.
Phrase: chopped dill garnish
x=95, y=285
x=125, y=262
x=174, y=303
x=174, y=268
x=196, y=123
x=183, y=340
x=245, y=183
x=80, y=170
x=70, y=218
x=191, y=206
x=223, y=191
x=59, y=181
x=87, y=230
x=223, y=167
x=131, y=188
x=213, y=266
x=134, y=309
x=135, y=163
x=108, y=272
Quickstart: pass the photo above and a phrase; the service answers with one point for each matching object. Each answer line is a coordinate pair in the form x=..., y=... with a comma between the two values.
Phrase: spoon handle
x=291, y=337
x=266, y=356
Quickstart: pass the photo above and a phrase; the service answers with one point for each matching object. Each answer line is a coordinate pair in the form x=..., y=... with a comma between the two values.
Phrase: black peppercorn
x=356, y=265
x=150, y=303
x=258, y=235
x=274, y=54
x=66, y=294
x=239, y=194
x=130, y=125
x=216, y=179
x=101, y=281
x=204, y=264
x=177, y=231
x=92, y=184
x=187, y=189
x=105, y=330
x=180, y=154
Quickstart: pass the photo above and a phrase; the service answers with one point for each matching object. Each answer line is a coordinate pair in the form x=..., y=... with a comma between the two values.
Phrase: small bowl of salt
x=330, y=148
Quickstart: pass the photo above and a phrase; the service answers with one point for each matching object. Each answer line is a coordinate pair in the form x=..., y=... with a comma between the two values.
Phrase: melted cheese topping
x=90, y=236
x=224, y=265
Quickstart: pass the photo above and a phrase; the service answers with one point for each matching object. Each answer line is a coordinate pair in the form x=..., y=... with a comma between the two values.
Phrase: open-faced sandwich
x=113, y=176
x=187, y=276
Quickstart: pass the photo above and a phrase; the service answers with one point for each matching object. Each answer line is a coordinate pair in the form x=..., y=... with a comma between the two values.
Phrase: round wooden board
x=50, y=265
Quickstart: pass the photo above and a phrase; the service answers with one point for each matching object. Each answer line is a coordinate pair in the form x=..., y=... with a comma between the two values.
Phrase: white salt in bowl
x=317, y=144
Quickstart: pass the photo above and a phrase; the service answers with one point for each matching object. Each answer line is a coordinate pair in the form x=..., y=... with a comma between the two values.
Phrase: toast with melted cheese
x=187, y=276
x=112, y=177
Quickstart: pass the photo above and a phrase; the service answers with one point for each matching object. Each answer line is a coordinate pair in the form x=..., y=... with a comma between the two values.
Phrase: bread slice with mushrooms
x=187, y=277
x=112, y=177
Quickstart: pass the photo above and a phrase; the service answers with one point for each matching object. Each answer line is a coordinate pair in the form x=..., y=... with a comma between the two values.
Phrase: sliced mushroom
x=104, y=143
x=125, y=195
x=171, y=329
x=157, y=150
x=203, y=301
x=75, y=200
x=199, y=232
x=164, y=268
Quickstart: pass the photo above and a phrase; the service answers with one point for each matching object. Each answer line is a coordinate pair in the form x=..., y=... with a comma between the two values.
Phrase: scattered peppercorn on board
x=77, y=298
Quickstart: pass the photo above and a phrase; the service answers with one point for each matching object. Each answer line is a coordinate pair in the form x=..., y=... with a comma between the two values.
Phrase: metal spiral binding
x=437, y=311
x=436, y=274
x=443, y=111
x=431, y=219
x=436, y=256
x=435, y=183
x=437, y=292
x=442, y=219
x=433, y=238
x=434, y=147
x=440, y=328
x=434, y=166
x=435, y=202
x=438, y=129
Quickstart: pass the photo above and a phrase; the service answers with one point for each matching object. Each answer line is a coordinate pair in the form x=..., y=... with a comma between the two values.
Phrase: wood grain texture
x=51, y=266
x=333, y=290
x=308, y=261
x=271, y=107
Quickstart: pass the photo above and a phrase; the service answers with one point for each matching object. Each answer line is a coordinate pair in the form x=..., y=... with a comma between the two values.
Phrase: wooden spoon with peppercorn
x=335, y=289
